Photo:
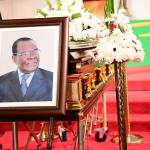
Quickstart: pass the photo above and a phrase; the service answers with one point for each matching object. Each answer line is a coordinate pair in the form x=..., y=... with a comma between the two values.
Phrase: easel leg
x=80, y=135
x=76, y=140
x=15, y=135
x=50, y=133
x=30, y=134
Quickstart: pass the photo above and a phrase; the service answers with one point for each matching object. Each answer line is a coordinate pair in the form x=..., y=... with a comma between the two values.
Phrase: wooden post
x=120, y=105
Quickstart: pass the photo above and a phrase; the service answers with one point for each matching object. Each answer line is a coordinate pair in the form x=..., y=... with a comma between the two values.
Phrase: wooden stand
x=120, y=106
x=131, y=138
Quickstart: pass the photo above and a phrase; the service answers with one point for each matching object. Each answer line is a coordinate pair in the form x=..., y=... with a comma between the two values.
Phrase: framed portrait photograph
x=33, y=68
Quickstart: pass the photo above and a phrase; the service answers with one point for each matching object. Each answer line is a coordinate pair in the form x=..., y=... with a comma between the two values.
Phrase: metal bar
x=50, y=133
x=104, y=111
x=32, y=133
x=96, y=113
x=91, y=121
x=15, y=135
x=80, y=135
x=85, y=126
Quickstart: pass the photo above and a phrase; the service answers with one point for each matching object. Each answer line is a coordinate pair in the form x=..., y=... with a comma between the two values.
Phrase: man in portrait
x=28, y=82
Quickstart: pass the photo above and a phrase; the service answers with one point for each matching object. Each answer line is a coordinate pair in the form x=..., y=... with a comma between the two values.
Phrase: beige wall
x=11, y=9
x=26, y=8
x=6, y=8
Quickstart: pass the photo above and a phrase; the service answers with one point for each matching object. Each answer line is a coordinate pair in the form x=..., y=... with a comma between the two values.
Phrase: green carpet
x=142, y=30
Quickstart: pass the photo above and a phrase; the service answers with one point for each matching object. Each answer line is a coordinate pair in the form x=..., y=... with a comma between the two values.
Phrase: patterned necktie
x=24, y=84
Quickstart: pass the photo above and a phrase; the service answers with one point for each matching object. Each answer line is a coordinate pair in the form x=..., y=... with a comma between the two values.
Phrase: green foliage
x=48, y=2
x=42, y=12
x=100, y=64
x=109, y=8
x=73, y=3
x=59, y=5
x=76, y=15
x=91, y=10
x=121, y=28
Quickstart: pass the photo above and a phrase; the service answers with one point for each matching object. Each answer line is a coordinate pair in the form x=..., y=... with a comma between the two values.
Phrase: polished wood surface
x=79, y=114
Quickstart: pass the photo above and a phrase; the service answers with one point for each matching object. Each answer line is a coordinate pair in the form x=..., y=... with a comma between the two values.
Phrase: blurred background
x=138, y=11
x=10, y=9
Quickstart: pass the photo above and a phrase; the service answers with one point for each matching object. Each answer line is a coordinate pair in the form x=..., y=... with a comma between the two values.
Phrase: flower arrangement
x=121, y=44
x=83, y=25
x=115, y=38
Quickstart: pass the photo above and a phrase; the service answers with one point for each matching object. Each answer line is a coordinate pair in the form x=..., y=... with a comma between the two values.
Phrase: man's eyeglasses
x=28, y=54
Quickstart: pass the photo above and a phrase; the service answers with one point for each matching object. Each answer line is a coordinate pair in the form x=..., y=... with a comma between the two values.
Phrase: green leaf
x=109, y=8
x=121, y=28
x=107, y=12
x=91, y=10
x=48, y=2
x=42, y=12
x=59, y=5
x=73, y=3
x=100, y=64
x=76, y=15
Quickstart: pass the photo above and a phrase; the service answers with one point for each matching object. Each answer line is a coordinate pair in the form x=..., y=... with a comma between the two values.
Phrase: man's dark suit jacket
x=40, y=88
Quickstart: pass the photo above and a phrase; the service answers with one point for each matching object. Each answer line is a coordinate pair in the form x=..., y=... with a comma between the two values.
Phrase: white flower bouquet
x=115, y=38
x=83, y=25
x=121, y=44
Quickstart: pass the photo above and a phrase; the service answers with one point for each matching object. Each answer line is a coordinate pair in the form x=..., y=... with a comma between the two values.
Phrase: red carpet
x=139, y=102
x=138, y=78
x=90, y=143
x=138, y=97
